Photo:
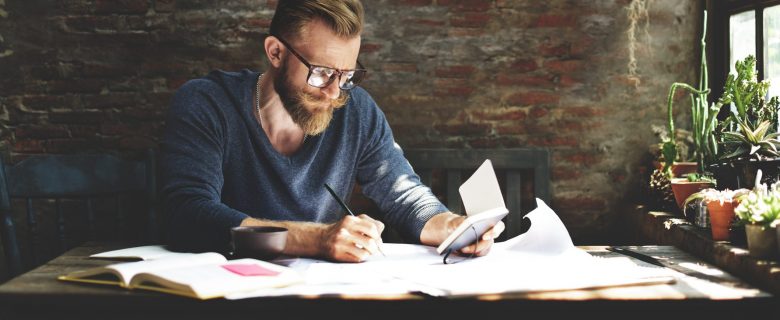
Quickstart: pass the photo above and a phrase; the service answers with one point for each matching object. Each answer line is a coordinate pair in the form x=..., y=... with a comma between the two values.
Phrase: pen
x=344, y=205
x=637, y=255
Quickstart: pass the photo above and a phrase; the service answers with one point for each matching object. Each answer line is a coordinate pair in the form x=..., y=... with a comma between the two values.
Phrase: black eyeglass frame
x=362, y=71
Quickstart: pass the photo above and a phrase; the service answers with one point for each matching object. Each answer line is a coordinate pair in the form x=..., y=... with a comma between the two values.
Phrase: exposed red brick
x=84, y=131
x=75, y=86
x=484, y=143
x=581, y=158
x=501, y=114
x=564, y=66
x=533, y=98
x=111, y=100
x=576, y=126
x=142, y=114
x=568, y=81
x=454, y=91
x=30, y=146
x=560, y=173
x=524, y=65
x=415, y=2
x=116, y=129
x=90, y=23
x=585, y=111
x=370, y=47
x=121, y=6
x=554, y=50
x=580, y=203
x=41, y=131
x=455, y=71
x=426, y=22
x=106, y=70
x=470, y=20
x=47, y=102
x=470, y=129
x=137, y=143
x=398, y=67
x=258, y=22
x=175, y=83
x=466, y=32
x=553, y=141
x=272, y=3
x=71, y=145
x=164, y=5
x=513, y=129
x=556, y=21
x=466, y=5
x=525, y=80
x=538, y=112
x=77, y=117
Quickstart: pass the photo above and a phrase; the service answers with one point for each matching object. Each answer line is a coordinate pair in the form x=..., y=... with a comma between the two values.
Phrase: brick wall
x=81, y=75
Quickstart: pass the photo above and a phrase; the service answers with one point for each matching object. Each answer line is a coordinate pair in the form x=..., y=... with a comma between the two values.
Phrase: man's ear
x=273, y=50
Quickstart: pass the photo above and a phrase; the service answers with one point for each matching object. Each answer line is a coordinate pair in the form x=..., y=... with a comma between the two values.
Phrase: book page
x=481, y=191
x=126, y=271
x=141, y=253
x=213, y=280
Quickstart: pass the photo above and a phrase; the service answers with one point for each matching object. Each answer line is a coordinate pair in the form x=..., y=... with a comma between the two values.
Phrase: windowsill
x=663, y=228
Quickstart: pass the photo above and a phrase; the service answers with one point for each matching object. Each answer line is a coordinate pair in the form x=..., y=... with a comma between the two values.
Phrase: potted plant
x=758, y=211
x=703, y=120
x=747, y=138
x=720, y=208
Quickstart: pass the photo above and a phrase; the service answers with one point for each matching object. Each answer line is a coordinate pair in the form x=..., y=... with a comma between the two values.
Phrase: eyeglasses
x=321, y=76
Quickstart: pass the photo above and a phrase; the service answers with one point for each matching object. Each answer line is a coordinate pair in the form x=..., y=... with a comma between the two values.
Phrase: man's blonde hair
x=344, y=17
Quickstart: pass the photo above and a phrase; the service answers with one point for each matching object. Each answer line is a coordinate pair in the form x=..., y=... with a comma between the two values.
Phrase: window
x=742, y=28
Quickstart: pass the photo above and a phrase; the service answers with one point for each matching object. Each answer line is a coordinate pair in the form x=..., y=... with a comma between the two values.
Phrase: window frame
x=719, y=24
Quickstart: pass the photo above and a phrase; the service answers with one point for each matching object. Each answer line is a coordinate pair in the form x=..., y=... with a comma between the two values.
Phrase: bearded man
x=256, y=149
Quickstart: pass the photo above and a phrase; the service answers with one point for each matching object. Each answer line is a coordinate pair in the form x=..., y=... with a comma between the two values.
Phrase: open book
x=484, y=206
x=202, y=276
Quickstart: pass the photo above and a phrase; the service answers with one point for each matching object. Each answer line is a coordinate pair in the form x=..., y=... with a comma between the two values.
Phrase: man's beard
x=313, y=120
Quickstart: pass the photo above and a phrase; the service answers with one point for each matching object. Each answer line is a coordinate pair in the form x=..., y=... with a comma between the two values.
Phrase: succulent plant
x=755, y=143
x=761, y=206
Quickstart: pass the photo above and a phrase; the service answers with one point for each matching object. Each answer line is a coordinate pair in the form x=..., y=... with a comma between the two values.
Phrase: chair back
x=91, y=194
x=524, y=174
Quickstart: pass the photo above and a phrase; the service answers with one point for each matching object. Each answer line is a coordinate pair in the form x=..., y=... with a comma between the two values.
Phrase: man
x=256, y=149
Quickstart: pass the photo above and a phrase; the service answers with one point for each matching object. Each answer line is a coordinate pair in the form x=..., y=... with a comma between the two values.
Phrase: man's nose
x=332, y=90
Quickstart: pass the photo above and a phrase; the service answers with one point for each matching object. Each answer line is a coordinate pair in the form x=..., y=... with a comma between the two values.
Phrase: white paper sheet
x=542, y=259
x=481, y=191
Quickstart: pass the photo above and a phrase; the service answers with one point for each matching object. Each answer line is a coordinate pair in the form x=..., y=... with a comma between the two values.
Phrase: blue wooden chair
x=75, y=186
x=524, y=174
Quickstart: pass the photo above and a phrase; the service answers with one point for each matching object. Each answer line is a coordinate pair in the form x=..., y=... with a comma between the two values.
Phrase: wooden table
x=703, y=291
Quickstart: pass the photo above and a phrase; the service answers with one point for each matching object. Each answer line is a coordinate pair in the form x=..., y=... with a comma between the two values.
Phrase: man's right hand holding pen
x=353, y=239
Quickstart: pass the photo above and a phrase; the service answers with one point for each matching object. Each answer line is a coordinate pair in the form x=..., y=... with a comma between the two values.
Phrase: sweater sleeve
x=191, y=169
x=388, y=179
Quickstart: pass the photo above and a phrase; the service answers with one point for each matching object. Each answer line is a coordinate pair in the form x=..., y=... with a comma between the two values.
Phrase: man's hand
x=441, y=225
x=482, y=247
x=352, y=239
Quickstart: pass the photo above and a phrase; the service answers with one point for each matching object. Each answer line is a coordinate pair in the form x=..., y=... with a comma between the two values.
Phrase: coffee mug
x=264, y=243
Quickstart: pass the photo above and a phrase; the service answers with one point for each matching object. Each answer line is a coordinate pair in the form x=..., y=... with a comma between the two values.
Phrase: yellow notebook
x=201, y=276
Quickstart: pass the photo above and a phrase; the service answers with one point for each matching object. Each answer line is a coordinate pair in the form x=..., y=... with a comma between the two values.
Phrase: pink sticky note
x=249, y=270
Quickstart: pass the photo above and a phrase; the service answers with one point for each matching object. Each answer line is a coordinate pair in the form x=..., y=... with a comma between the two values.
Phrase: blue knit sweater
x=218, y=166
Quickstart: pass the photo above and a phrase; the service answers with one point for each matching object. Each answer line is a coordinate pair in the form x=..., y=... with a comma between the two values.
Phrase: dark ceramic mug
x=264, y=243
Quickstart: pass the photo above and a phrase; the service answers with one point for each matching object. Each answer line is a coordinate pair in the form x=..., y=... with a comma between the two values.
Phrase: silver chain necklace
x=257, y=105
x=257, y=99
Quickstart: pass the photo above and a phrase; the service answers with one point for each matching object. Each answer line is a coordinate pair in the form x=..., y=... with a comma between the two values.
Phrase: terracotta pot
x=683, y=188
x=679, y=168
x=762, y=241
x=721, y=215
